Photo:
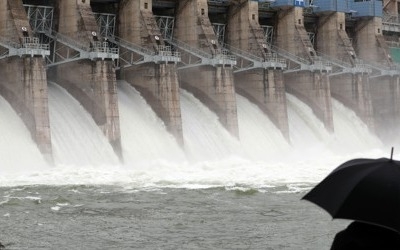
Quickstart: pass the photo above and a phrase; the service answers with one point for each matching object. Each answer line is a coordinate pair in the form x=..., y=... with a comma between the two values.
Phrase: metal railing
x=103, y=47
x=131, y=46
x=33, y=43
x=164, y=50
x=189, y=49
x=30, y=46
x=271, y=57
x=382, y=70
x=289, y=55
x=224, y=54
x=73, y=43
x=219, y=57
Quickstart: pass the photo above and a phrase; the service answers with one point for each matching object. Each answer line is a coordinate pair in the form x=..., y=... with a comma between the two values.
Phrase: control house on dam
x=315, y=50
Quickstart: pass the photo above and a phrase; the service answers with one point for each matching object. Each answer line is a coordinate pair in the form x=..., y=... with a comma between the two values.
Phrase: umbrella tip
x=391, y=154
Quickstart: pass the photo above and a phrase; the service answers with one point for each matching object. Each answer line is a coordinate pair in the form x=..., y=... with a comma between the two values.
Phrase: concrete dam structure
x=315, y=50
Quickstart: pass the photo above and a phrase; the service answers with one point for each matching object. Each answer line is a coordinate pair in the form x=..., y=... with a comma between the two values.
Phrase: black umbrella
x=366, y=190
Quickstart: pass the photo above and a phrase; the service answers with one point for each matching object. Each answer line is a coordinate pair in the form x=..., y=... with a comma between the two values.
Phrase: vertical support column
x=312, y=87
x=158, y=83
x=371, y=47
x=385, y=93
x=213, y=85
x=264, y=87
x=92, y=83
x=350, y=89
x=24, y=80
x=370, y=43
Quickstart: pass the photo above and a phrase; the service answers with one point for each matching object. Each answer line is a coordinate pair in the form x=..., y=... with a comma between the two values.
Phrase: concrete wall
x=158, y=83
x=371, y=47
x=312, y=88
x=350, y=89
x=353, y=90
x=390, y=6
x=92, y=83
x=24, y=80
x=370, y=43
x=385, y=93
x=214, y=86
x=263, y=87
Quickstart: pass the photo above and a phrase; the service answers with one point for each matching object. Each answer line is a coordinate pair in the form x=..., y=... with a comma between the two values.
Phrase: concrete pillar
x=385, y=93
x=213, y=85
x=24, y=80
x=92, y=83
x=158, y=83
x=372, y=48
x=350, y=89
x=264, y=87
x=370, y=43
x=312, y=88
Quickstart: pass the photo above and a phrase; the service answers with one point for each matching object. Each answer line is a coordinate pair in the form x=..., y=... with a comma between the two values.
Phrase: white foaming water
x=213, y=156
x=18, y=151
x=259, y=137
x=306, y=130
x=143, y=135
x=76, y=138
x=350, y=137
x=351, y=131
x=205, y=137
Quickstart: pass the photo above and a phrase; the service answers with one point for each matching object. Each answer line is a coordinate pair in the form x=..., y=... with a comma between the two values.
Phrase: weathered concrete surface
x=385, y=100
x=264, y=87
x=92, y=83
x=390, y=6
x=24, y=80
x=312, y=88
x=370, y=43
x=158, y=83
x=350, y=89
x=371, y=47
x=213, y=85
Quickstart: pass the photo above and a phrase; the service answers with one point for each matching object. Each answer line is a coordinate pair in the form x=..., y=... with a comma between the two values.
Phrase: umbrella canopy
x=366, y=190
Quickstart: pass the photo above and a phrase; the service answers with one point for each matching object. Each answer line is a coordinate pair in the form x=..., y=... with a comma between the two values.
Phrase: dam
x=223, y=53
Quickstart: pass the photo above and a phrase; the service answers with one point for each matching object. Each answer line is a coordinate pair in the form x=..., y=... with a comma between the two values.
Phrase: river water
x=112, y=217
x=217, y=192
